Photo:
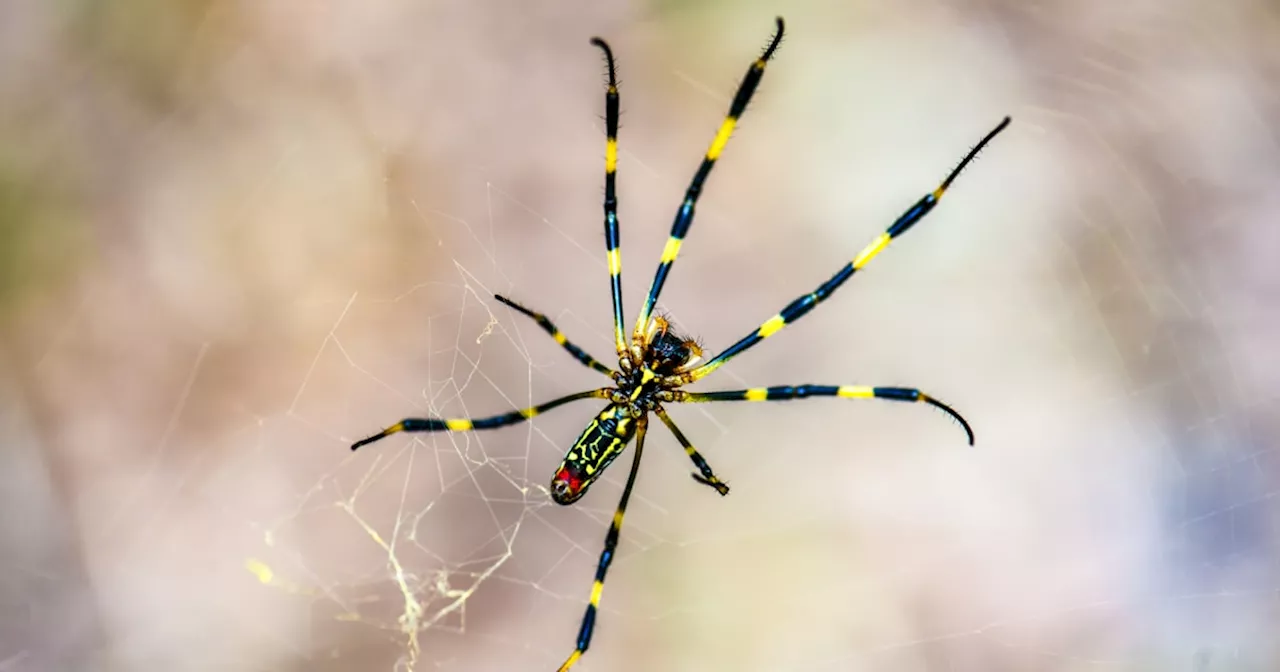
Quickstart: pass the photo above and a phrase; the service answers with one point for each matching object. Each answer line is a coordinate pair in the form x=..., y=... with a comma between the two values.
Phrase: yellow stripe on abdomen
x=458, y=424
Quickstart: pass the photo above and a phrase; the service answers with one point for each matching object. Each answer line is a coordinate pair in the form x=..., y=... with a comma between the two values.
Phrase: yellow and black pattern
x=612, y=241
x=606, y=556
x=704, y=475
x=785, y=392
x=602, y=440
x=684, y=216
x=549, y=327
x=597, y=447
x=807, y=302
x=470, y=424
x=656, y=362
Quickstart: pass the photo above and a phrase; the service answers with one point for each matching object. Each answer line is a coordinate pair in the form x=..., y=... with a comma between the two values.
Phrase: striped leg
x=707, y=476
x=606, y=556
x=684, y=216
x=491, y=422
x=797, y=309
x=784, y=392
x=611, y=239
x=547, y=326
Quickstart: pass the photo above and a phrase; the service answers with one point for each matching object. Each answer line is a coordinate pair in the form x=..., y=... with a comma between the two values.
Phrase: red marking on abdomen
x=572, y=481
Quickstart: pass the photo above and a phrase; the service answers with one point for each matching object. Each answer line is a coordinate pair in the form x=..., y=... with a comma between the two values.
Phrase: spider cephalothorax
x=656, y=362
x=669, y=353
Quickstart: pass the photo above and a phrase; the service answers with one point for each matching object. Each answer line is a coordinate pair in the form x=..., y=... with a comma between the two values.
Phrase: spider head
x=568, y=486
x=668, y=351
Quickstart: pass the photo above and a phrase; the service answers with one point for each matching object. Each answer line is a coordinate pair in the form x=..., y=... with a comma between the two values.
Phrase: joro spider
x=657, y=362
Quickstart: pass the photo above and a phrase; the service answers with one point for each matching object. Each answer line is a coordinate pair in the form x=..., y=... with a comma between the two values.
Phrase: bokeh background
x=236, y=236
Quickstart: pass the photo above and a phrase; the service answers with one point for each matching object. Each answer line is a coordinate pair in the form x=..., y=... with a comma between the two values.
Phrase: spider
x=656, y=361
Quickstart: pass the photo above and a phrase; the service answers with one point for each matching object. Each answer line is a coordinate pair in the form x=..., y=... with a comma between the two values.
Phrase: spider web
x=280, y=229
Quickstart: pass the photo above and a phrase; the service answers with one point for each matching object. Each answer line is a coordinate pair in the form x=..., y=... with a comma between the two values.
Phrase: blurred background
x=237, y=236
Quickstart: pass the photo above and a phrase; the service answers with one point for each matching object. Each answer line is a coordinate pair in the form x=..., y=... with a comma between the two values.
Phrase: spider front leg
x=606, y=556
x=684, y=215
x=807, y=302
x=613, y=243
x=707, y=476
x=547, y=326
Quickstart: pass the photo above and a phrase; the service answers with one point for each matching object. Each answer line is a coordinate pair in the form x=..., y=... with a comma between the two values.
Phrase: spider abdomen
x=599, y=445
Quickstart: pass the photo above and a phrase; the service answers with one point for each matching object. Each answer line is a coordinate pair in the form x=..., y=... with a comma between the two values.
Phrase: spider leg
x=611, y=239
x=606, y=556
x=469, y=424
x=547, y=326
x=785, y=392
x=707, y=476
x=797, y=309
x=684, y=216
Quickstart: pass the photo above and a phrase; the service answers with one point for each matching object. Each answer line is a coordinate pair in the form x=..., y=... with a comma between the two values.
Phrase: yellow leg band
x=876, y=247
x=615, y=262
x=671, y=251
x=771, y=327
x=855, y=392
x=611, y=156
x=722, y=138
x=573, y=659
